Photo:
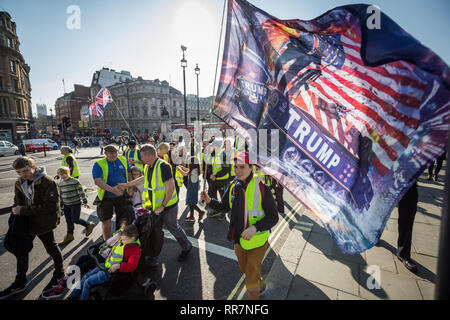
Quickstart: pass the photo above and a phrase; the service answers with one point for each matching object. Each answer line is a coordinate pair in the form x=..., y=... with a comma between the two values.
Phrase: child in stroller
x=86, y=263
x=123, y=257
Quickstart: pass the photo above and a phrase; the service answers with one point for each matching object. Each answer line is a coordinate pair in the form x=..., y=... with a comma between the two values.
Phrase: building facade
x=41, y=109
x=204, y=105
x=16, y=116
x=71, y=105
x=144, y=104
x=107, y=77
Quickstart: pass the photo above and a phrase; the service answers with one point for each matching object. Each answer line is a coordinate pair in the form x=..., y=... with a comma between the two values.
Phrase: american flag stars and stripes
x=361, y=112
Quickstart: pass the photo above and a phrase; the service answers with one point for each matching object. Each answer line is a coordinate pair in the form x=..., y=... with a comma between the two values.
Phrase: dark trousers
x=218, y=185
x=72, y=215
x=406, y=213
x=48, y=240
x=439, y=162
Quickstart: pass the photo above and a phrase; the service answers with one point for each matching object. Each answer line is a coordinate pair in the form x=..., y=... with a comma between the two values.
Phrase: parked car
x=48, y=142
x=7, y=149
x=37, y=147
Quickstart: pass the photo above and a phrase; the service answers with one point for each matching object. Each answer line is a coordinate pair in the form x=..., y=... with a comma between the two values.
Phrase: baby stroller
x=150, y=235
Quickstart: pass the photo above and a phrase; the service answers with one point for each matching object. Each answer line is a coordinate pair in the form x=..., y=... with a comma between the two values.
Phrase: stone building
x=204, y=104
x=143, y=103
x=16, y=116
x=71, y=104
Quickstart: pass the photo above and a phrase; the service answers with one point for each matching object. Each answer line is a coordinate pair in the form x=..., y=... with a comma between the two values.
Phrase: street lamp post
x=51, y=117
x=197, y=72
x=184, y=65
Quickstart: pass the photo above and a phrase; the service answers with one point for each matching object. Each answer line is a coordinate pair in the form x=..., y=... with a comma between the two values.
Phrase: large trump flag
x=354, y=108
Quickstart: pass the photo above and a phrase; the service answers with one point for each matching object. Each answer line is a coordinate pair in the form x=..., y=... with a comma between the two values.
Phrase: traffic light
x=66, y=121
x=60, y=127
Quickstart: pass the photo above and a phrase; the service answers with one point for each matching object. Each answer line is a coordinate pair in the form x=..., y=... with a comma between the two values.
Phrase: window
x=12, y=66
x=19, y=108
x=10, y=43
x=16, y=85
x=1, y=84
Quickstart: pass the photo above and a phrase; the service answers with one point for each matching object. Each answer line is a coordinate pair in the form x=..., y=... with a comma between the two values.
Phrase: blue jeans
x=72, y=214
x=90, y=279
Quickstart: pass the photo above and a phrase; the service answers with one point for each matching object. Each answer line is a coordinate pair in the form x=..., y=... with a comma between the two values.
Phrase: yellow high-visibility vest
x=253, y=213
x=158, y=188
x=103, y=163
x=116, y=254
x=76, y=169
x=179, y=177
x=135, y=158
x=217, y=166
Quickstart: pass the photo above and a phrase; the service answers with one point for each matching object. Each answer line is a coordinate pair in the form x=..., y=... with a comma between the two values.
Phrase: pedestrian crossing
x=204, y=247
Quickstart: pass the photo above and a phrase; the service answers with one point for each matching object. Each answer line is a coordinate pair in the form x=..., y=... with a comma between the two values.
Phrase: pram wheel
x=149, y=288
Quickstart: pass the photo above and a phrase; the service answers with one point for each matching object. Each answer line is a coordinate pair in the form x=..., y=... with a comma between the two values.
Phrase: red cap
x=242, y=157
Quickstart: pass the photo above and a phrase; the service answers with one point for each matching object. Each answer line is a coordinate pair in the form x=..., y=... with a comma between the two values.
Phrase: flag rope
x=217, y=61
x=126, y=122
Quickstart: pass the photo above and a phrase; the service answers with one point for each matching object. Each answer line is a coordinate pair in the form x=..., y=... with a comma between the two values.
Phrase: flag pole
x=126, y=122
x=215, y=79
x=217, y=59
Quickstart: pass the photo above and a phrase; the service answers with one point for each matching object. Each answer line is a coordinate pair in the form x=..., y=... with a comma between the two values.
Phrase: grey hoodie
x=27, y=189
x=39, y=201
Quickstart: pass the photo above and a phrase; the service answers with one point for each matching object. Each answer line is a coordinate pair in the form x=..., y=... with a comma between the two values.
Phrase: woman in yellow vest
x=253, y=214
x=133, y=156
x=69, y=160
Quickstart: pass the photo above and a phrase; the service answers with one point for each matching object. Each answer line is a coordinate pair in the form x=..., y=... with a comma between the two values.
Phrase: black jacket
x=18, y=241
x=43, y=206
x=236, y=226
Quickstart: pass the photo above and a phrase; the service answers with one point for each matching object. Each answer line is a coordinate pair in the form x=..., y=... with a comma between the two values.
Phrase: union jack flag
x=102, y=99
x=95, y=110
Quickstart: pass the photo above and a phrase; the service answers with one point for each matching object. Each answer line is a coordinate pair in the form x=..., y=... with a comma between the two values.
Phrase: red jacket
x=131, y=256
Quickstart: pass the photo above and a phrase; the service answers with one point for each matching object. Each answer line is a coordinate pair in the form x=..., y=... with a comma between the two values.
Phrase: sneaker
x=89, y=228
x=52, y=294
x=409, y=264
x=190, y=219
x=429, y=177
x=68, y=238
x=201, y=215
x=53, y=282
x=184, y=254
x=12, y=290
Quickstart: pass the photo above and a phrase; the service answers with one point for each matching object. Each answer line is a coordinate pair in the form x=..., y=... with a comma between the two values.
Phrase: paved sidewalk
x=311, y=266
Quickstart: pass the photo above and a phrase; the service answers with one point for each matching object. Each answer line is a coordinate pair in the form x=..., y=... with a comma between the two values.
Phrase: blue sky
x=144, y=36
